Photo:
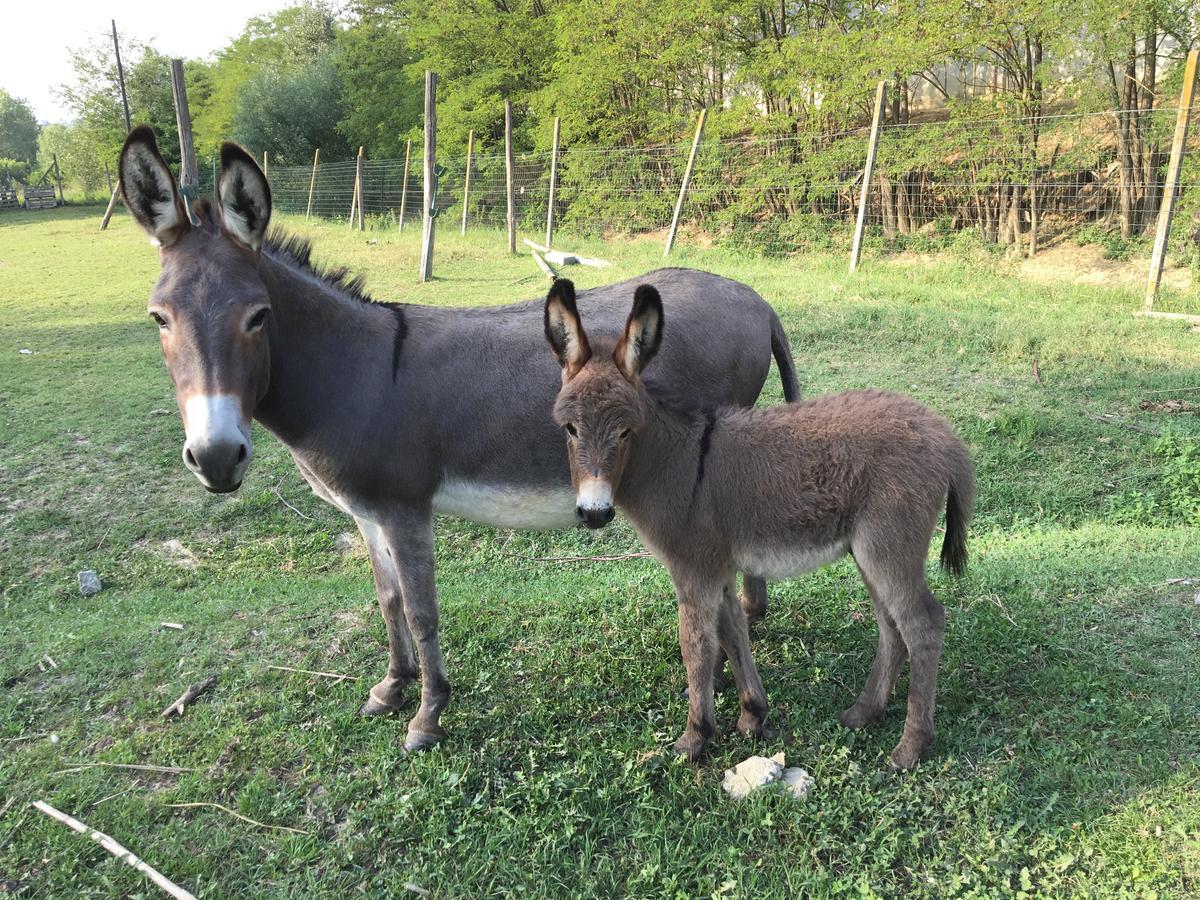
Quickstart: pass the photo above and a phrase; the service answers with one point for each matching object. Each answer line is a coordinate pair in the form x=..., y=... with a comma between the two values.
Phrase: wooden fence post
x=1170, y=189
x=312, y=183
x=430, y=193
x=108, y=176
x=553, y=181
x=62, y=198
x=189, y=173
x=467, y=178
x=508, y=177
x=358, y=181
x=404, y=183
x=266, y=164
x=687, y=180
x=112, y=201
x=216, y=196
x=868, y=174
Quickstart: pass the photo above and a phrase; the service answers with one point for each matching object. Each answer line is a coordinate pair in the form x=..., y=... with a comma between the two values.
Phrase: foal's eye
x=257, y=320
x=624, y=435
x=571, y=430
x=158, y=320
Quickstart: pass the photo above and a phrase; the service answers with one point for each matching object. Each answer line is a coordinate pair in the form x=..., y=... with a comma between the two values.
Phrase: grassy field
x=1067, y=759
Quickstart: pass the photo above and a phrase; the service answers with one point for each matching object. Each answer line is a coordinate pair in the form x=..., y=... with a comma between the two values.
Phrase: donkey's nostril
x=189, y=458
x=241, y=453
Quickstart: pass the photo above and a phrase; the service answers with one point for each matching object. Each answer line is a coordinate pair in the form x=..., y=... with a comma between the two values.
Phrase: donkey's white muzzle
x=218, y=448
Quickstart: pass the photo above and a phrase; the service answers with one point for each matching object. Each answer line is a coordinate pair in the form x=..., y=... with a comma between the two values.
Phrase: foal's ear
x=564, y=331
x=643, y=332
x=245, y=197
x=149, y=188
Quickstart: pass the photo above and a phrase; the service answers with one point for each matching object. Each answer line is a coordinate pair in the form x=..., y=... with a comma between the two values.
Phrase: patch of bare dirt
x=1087, y=265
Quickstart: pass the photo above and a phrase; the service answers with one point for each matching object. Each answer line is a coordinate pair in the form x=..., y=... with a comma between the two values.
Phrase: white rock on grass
x=759, y=771
x=89, y=583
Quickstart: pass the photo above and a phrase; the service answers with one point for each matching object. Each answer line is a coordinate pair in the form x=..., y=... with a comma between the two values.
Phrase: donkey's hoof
x=857, y=717
x=374, y=707
x=751, y=724
x=420, y=740
x=908, y=754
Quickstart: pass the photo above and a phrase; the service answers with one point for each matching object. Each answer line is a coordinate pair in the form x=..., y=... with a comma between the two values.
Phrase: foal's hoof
x=857, y=717
x=690, y=747
x=378, y=705
x=751, y=724
x=906, y=755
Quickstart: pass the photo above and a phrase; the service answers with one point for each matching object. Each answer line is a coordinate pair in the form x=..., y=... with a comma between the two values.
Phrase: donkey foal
x=773, y=492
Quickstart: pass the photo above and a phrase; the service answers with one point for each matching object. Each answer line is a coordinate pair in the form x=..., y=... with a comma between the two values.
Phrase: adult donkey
x=394, y=412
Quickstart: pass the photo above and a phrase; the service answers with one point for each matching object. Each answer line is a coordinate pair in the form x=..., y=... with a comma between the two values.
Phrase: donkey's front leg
x=409, y=537
x=699, y=608
x=388, y=695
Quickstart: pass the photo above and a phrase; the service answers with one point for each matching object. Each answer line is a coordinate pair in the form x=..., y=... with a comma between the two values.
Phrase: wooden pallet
x=40, y=198
x=9, y=200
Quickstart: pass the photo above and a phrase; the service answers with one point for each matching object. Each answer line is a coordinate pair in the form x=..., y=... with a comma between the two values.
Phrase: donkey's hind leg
x=754, y=597
x=735, y=639
x=889, y=657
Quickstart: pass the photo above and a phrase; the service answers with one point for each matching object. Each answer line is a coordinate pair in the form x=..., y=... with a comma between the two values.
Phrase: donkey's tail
x=782, y=352
x=960, y=500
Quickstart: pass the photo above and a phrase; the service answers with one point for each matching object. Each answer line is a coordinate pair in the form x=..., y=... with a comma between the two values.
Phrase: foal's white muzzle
x=594, y=503
x=217, y=448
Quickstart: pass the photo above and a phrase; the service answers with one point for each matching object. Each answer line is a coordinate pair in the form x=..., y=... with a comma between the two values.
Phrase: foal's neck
x=667, y=463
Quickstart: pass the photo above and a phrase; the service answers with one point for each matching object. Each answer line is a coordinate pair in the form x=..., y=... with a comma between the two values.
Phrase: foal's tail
x=960, y=500
x=782, y=352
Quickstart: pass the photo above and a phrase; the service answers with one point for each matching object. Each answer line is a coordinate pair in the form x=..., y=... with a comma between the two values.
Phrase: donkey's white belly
x=506, y=506
x=786, y=562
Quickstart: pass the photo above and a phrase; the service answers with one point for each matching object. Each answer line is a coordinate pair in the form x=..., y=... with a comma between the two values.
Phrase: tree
x=383, y=103
x=292, y=114
x=18, y=128
x=80, y=160
x=279, y=44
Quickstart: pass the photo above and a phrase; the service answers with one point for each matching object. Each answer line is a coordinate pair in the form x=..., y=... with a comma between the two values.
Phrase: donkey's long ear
x=245, y=197
x=149, y=188
x=564, y=331
x=643, y=332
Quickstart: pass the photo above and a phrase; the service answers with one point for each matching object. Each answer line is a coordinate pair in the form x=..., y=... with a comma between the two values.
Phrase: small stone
x=89, y=583
x=25, y=351
x=798, y=781
x=752, y=774
x=160, y=412
x=178, y=555
x=54, y=738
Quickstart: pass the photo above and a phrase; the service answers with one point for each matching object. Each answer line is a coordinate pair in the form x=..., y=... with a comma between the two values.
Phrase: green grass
x=1067, y=759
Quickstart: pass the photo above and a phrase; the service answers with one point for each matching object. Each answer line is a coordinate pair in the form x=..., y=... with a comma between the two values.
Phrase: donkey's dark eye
x=624, y=435
x=158, y=320
x=257, y=320
x=571, y=430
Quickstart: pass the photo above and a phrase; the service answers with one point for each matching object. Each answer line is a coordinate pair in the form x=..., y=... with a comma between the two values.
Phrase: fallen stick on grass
x=193, y=691
x=543, y=265
x=236, y=815
x=640, y=554
x=338, y=675
x=175, y=626
x=113, y=847
x=167, y=770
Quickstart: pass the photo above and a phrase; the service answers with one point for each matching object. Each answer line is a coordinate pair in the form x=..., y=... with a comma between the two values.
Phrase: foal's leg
x=889, y=657
x=699, y=611
x=735, y=639
x=754, y=597
x=409, y=536
x=388, y=695
x=922, y=624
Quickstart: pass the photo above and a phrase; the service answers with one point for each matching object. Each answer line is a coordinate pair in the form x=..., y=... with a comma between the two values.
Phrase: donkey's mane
x=296, y=250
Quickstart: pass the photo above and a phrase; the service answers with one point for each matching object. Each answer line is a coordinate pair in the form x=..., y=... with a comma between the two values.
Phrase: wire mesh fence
x=1018, y=180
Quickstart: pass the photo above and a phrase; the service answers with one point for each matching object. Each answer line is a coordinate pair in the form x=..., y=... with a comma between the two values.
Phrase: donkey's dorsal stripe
x=397, y=311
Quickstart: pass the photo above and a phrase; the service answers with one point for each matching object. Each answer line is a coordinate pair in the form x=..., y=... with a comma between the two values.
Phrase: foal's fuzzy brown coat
x=775, y=492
